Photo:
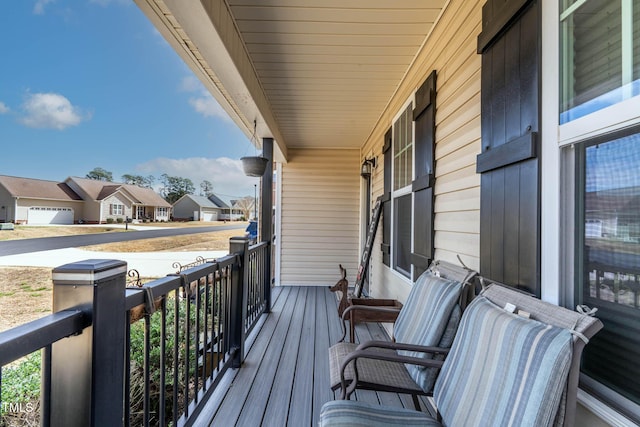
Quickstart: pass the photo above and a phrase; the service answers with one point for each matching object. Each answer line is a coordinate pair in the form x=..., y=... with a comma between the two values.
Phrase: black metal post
x=87, y=370
x=255, y=201
x=266, y=219
x=238, y=309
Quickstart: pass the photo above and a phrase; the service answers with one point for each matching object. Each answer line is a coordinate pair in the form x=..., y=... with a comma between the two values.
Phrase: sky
x=91, y=83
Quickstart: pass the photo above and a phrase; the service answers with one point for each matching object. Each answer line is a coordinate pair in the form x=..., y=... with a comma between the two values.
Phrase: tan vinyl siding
x=115, y=200
x=320, y=216
x=451, y=51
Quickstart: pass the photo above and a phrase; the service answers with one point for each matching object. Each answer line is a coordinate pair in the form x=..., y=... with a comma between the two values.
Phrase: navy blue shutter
x=424, y=116
x=386, y=200
x=509, y=163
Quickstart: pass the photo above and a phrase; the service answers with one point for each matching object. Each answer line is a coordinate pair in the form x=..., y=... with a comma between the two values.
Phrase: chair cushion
x=426, y=378
x=349, y=413
x=424, y=319
x=503, y=370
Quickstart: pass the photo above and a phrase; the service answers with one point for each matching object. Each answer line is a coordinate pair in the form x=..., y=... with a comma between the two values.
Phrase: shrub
x=21, y=389
x=137, y=360
x=109, y=220
x=119, y=220
x=21, y=383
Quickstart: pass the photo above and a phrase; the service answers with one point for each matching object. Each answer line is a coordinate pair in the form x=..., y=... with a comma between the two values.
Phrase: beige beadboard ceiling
x=312, y=73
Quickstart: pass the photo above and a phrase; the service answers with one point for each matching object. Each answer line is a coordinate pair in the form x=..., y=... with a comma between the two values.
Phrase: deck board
x=284, y=379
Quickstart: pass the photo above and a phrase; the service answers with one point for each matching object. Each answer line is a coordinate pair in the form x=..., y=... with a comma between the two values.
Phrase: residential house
x=488, y=122
x=110, y=200
x=195, y=208
x=228, y=211
x=35, y=201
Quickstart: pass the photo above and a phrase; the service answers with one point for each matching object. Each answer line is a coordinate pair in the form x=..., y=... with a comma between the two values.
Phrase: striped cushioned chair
x=428, y=321
x=503, y=369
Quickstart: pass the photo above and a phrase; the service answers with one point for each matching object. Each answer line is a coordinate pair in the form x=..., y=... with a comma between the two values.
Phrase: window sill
x=608, y=119
x=603, y=411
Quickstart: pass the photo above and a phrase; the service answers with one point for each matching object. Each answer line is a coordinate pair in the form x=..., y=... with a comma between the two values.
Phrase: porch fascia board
x=215, y=52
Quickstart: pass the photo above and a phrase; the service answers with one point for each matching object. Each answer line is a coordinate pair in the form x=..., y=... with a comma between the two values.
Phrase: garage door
x=38, y=215
x=209, y=216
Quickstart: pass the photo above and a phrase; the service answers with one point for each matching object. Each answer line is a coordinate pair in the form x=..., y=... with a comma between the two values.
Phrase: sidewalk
x=148, y=264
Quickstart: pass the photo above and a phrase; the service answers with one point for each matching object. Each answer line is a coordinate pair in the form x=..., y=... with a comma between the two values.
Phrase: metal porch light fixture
x=367, y=166
x=254, y=165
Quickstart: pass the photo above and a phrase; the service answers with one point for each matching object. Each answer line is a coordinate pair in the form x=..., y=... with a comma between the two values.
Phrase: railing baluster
x=196, y=343
x=187, y=339
x=206, y=343
x=176, y=342
x=146, y=405
x=163, y=359
x=45, y=388
x=127, y=372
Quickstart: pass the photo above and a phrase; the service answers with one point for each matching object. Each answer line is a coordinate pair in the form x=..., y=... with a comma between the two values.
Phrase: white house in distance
x=35, y=201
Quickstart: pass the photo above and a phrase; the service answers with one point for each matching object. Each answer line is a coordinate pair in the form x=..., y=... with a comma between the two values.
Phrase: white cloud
x=3, y=108
x=191, y=84
x=208, y=107
x=38, y=8
x=202, y=101
x=226, y=174
x=50, y=111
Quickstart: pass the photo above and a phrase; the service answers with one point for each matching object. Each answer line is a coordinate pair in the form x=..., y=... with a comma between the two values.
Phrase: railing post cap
x=239, y=239
x=89, y=270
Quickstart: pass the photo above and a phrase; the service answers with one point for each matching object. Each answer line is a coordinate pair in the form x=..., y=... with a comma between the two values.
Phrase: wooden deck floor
x=284, y=380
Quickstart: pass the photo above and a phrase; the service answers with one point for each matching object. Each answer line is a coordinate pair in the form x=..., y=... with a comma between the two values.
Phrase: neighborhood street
x=14, y=247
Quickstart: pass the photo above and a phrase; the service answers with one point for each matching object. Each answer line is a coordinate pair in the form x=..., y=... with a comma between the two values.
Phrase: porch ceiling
x=313, y=74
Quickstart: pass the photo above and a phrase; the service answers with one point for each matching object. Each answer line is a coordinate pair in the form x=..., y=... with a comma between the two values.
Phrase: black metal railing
x=179, y=335
x=258, y=284
x=198, y=261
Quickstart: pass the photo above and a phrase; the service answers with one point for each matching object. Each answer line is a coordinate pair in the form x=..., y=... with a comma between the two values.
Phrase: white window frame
x=117, y=209
x=558, y=183
x=401, y=191
x=614, y=117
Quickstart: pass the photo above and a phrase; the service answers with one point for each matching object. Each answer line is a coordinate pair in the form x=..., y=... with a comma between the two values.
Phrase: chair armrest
x=369, y=308
x=376, y=355
x=365, y=308
x=402, y=346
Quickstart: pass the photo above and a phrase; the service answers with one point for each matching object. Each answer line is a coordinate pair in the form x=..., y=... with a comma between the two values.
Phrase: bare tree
x=246, y=205
x=206, y=188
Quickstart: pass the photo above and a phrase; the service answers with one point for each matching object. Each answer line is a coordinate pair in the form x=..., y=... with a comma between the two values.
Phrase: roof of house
x=99, y=190
x=37, y=188
x=201, y=201
x=218, y=201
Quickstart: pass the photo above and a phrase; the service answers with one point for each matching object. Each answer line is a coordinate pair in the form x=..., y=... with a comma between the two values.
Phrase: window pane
x=610, y=270
x=402, y=234
x=403, y=149
x=599, y=39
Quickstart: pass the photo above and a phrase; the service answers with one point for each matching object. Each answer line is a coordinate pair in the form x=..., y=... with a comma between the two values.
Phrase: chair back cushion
x=503, y=369
x=425, y=317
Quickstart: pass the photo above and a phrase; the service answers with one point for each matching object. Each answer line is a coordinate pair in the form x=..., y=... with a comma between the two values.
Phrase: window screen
x=402, y=235
x=609, y=258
